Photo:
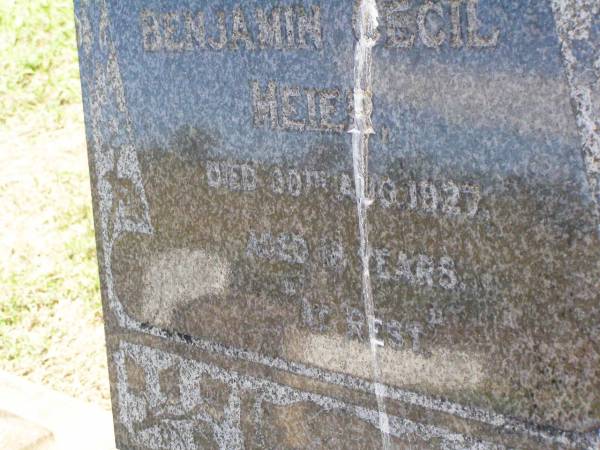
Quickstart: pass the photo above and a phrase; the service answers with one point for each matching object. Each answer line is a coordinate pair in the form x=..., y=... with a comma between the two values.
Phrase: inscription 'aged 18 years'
x=347, y=224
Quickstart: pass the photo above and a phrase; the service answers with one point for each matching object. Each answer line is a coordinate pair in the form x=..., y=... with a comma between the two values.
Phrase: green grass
x=50, y=245
x=38, y=62
x=50, y=310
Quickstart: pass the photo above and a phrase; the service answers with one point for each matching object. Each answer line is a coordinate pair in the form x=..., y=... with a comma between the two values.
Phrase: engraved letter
x=219, y=44
x=381, y=256
x=292, y=249
x=448, y=278
x=327, y=105
x=294, y=183
x=288, y=110
x=308, y=316
x=331, y=254
x=248, y=178
x=474, y=197
x=394, y=329
x=412, y=195
x=172, y=27
x=377, y=324
x=151, y=35
x=346, y=186
x=456, y=31
x=473, y=38
x=239, y=31
x=424, y=270
x=429, y=196
x=427, y=37
x=260, y=246
x=355, y=321
x=311, y=105
x=403, y=271
x=387, y=193
x=450, y=204
x=269, y=34
x=195, y=30
x=399, y=27
x=264, y=106
x=234, y=177
x=310, y=26
x=288, y=14
x=416, y=331
x=278, y=182
x=213, y=174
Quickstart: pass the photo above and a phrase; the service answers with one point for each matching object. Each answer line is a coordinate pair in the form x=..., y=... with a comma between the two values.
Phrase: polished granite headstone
x=339, y=224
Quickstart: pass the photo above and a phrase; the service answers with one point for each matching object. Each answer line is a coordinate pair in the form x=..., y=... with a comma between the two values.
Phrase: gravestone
x=338, y=224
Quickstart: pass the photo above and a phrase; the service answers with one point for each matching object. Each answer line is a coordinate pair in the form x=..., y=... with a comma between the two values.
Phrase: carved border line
x=229, y=435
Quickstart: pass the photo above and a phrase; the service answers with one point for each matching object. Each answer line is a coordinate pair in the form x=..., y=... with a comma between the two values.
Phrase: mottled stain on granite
x=437, y=372
x=171, y=282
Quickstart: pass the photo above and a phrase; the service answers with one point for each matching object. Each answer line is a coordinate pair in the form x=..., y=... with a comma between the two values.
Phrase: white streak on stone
x=366, y=24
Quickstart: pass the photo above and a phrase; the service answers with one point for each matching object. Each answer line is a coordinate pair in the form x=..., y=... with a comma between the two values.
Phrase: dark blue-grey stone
x=246, y=305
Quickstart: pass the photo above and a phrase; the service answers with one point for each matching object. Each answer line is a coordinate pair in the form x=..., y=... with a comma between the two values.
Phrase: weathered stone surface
x=347, y=224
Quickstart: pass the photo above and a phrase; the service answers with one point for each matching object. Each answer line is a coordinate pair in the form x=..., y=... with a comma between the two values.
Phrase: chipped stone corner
x=575, y=21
